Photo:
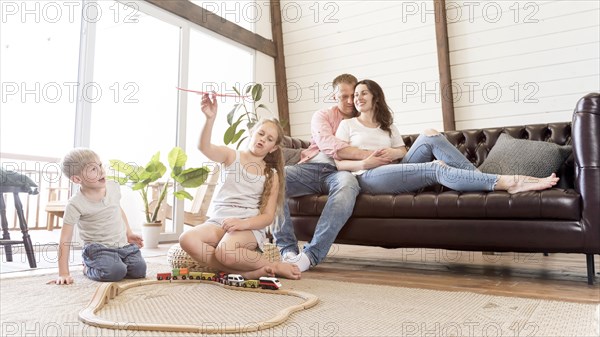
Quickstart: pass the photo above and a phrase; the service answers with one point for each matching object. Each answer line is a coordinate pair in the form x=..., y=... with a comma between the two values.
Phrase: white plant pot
x=150, y=234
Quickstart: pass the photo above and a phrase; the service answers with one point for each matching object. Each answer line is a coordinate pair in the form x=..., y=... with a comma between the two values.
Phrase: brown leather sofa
x=565, y=219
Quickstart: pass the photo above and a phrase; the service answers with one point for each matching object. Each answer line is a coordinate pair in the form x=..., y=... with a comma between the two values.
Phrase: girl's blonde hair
x=273, y=160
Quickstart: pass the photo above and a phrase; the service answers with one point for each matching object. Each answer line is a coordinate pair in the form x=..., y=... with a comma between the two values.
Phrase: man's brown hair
x=344, y=78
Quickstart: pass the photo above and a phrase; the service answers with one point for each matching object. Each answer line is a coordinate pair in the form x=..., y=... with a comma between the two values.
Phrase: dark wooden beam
x=217, y=24
x=280, y=75
x=443, y=53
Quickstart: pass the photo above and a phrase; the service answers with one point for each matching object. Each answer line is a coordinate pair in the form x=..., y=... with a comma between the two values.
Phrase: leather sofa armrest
x=586, y=152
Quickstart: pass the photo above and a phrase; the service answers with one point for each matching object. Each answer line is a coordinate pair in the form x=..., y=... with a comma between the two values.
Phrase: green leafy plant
x=139, y=178
x=247, y=118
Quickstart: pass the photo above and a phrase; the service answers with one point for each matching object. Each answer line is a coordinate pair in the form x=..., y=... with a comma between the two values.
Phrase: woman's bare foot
x=516, y=184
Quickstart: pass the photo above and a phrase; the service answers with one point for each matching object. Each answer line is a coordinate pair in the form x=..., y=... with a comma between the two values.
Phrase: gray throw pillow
x=525, y=157
x=291, y=156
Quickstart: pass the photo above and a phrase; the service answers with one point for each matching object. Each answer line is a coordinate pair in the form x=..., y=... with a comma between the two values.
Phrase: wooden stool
x=6, y=241
x=55, y=210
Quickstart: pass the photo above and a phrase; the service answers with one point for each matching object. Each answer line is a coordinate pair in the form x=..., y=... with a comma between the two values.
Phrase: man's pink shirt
x=323, y=126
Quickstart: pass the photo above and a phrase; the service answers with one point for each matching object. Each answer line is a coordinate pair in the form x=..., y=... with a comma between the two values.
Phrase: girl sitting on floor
x=249, y=195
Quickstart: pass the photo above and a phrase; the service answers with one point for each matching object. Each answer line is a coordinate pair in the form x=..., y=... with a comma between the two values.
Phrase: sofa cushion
x=526, y=157
x=291, y=156
x=556, y=204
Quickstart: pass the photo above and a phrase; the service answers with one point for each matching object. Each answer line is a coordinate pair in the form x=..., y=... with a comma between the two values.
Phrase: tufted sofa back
x=476, y=144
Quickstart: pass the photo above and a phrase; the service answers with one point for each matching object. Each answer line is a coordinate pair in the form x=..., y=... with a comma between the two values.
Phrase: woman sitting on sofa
x=390, y=169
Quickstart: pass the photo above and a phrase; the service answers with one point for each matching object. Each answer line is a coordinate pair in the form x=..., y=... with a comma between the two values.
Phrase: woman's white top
x=366, y=138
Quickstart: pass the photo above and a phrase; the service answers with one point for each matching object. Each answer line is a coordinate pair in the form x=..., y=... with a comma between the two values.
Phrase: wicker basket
x=271, y=252
x=178, y=258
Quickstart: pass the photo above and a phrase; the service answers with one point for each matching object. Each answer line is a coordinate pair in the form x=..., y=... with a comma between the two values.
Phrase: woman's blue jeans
x=417, y=170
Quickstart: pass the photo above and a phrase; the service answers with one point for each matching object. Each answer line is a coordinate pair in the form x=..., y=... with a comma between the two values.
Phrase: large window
x=204, y=75
x=136, y=67
x=236, y=69
x=136, y=71
x=103, y=74
x=39, y=44
x=39, y=50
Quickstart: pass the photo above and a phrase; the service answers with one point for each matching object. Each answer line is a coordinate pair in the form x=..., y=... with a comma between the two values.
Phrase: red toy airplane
x=211, y=93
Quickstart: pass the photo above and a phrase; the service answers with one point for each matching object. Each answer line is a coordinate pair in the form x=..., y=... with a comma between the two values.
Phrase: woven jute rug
x=29, y=307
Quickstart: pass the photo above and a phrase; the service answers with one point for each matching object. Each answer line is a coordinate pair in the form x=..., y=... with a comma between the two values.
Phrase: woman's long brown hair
x=381, y=111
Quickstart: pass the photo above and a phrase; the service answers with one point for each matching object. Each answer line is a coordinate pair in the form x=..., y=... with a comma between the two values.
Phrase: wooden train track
x=108, y=291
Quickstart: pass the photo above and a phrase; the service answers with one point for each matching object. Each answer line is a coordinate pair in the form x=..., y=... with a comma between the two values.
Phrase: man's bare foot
x=284, y=269
x=516, y=184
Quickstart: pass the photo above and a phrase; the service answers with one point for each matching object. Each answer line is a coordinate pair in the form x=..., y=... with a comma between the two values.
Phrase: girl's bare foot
x=283, y=269
x=516, y=184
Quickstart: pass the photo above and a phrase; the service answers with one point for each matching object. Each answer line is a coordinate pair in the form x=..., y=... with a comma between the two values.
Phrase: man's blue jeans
x=312, y=178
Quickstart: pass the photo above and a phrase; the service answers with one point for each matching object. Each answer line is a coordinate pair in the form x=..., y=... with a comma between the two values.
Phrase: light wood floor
x=561, y=277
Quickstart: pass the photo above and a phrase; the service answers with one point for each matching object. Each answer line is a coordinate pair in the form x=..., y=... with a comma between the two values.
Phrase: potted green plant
x=139, y=178
x=247, y=118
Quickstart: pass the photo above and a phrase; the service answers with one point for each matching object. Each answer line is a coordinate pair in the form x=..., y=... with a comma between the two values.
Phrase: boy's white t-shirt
x=98, y=222
x=366, y=138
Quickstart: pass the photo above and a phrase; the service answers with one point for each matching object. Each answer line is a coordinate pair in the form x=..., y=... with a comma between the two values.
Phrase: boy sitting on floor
x=111, y=250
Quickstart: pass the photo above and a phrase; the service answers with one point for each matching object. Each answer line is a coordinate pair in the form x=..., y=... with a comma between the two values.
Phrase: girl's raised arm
x=219, y=154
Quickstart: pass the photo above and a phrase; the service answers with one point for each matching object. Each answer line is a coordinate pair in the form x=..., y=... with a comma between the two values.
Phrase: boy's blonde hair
x=273, y=160
x=75, y=161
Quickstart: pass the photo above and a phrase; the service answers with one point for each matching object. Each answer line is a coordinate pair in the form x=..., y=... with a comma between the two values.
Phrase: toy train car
x=228, y=279
x=185, y=274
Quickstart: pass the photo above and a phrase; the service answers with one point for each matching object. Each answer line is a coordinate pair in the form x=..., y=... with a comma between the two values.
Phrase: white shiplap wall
x=522, y=62
x=391, y=42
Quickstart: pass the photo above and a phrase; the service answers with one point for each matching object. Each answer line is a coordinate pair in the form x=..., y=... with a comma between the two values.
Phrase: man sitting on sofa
x=316, y=174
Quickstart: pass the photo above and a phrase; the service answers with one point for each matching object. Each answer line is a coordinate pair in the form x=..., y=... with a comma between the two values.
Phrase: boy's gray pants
x=108, y=264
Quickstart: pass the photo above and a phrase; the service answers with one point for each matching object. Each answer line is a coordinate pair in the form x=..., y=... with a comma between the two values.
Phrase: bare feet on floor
x=516, y=184
x=281, y=269
x=284, y=269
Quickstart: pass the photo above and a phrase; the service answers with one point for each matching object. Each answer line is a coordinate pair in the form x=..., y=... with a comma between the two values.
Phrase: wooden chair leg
x=5, y=233
x=26, y=238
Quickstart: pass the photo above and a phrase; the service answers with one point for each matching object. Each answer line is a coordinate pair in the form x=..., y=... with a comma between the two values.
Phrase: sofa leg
x=590, y=268
x=546, y=254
